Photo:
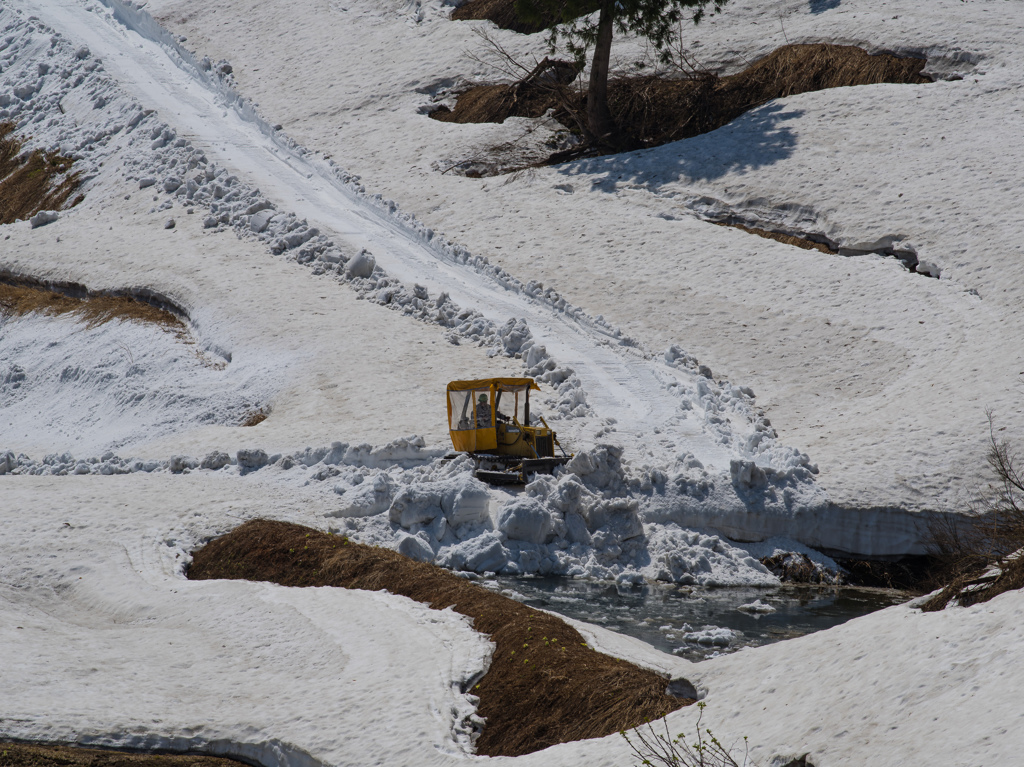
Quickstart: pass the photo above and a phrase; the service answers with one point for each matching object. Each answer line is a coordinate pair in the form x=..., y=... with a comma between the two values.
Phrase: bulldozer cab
x=490, y=419
x=476, y=408
x=493, y=415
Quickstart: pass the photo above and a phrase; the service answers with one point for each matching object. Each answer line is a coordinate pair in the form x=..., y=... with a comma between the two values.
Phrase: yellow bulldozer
x=489, y=419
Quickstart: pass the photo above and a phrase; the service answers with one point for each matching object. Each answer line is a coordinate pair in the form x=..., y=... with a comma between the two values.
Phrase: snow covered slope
x=114, y=647
x=716, y=453
x=714, y=459
x=105, y=643
x=694, y=451
x=880, y=375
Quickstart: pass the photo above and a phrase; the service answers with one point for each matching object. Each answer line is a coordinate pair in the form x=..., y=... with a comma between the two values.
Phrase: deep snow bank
x=88, y=389
x=597, y=518
x=740, y=478
x=880, y=375
x=114, y=647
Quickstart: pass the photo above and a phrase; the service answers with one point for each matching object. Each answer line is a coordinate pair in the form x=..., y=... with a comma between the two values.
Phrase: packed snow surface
x=260, y=164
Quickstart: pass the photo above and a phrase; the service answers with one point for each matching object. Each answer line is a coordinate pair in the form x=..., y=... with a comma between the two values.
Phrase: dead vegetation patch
x=544, y=685
x=256, y=417
x=793, y=567
x=534, y=94
x=29, y=755
x=982, y=551
x=912, y=574
x=32, y=181
x=915, y=574
x=788, y=239
x=650, y=110
x=980, y=585
x=19, y=296
x=501, y=12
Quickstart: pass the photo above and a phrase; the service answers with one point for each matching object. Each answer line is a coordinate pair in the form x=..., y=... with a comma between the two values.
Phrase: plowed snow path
x=620, y=383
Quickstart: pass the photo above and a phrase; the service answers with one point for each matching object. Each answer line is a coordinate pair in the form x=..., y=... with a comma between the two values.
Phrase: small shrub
x=657, y=749
x=981, y=551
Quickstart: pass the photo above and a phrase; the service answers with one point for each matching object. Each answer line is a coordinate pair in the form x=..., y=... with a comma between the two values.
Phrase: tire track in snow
x=621, y=383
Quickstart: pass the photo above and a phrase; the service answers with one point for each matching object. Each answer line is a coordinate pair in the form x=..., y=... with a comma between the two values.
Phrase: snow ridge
x=752, y=486
x=572, y=399
x=232, y=203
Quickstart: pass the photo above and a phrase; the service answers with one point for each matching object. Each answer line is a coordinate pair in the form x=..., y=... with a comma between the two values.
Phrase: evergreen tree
x=574, y=20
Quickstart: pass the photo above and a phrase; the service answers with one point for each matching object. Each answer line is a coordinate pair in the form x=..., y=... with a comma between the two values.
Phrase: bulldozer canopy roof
x=505, y=384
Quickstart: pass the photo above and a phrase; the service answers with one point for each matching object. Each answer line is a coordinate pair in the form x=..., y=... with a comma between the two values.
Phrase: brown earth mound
x=544, y=686
x=495, y=103
x=21, y=297
x=31, y=182
x=503, y=13
x=651, y=110
x=530, y=97
x=24, y=755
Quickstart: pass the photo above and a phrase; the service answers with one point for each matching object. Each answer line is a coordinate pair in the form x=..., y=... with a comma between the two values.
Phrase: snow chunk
x=259, y=221
x=460, y=500
x=415, y=547
x=362, y=264
x=215, y=461
x=179, y=463
x=366, y=499
x=482, y=554
x=252, y=459
x=757, y=607
x=711, y=636
x=526, y=519
x=43, y=217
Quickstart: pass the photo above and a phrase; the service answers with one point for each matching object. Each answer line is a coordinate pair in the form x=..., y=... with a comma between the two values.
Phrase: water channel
x=699, y=623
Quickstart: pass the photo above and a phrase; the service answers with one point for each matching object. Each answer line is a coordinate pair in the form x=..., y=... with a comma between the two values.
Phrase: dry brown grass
x=21, y=297
x=982, y=551
x=542, y=87
x=503, y=13
x=980, y=585
x=788, y=239
x=34, y=181
x=256, y=417
x=544, y=685
x=27, y=755
x=652, y=109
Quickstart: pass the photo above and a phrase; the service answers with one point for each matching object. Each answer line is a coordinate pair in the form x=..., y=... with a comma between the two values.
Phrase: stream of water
x=699, y=623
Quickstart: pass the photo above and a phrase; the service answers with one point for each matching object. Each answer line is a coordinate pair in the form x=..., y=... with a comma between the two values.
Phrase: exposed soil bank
x=788, y=239
x=31, y=182
x=653, y=109
x=25, y=755
x=501, y=12
x=544, y=685
x=19, y=297
x=914, y=574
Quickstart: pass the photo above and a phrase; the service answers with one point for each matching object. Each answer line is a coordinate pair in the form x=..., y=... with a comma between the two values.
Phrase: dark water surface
x=698, y=623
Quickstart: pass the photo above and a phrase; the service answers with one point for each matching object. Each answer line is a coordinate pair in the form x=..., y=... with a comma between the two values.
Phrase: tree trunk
x=599, y=117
